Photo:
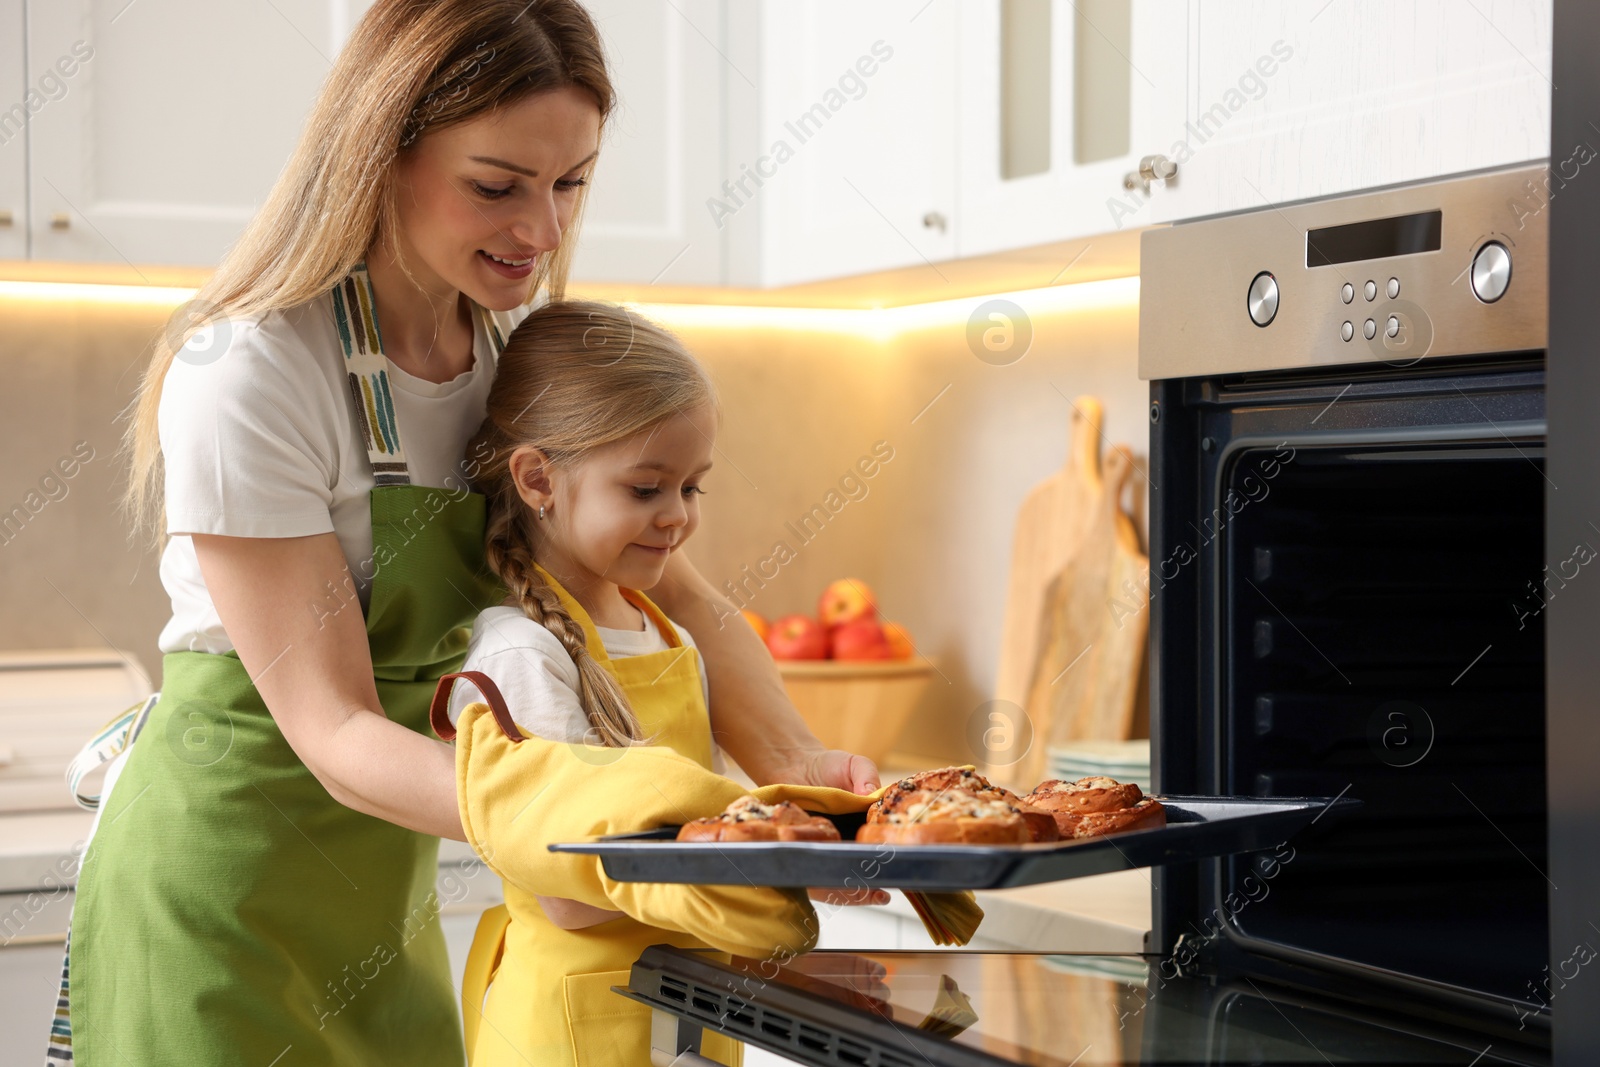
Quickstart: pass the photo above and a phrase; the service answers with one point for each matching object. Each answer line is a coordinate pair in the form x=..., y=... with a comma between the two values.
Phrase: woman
x=260, y=881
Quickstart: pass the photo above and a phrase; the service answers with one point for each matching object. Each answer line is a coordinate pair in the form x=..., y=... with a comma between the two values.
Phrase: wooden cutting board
x=1064, y=658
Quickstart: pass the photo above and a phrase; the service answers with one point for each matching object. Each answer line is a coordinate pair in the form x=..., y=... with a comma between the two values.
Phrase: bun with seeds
x=947, y=780
x=1090, y=807
x=747, y=819
x=947, y=817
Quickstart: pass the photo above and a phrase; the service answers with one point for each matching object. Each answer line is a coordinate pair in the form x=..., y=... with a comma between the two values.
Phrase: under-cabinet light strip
x=879, y=323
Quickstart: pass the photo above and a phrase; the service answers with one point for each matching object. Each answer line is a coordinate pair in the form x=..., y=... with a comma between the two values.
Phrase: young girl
x=599, y=433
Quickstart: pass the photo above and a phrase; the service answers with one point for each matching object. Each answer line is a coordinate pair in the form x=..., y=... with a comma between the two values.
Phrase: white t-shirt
x=539, y=680
x=263, y=442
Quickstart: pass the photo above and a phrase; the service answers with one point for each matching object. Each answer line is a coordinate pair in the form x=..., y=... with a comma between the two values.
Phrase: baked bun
x=947, y=817
x=1145, y=815
x=1091, y=807
x=747, y=819
x=1084, y=796
x=1041, y=825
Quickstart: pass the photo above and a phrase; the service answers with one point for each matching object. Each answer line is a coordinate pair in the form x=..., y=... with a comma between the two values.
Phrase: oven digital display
x=1398, y=235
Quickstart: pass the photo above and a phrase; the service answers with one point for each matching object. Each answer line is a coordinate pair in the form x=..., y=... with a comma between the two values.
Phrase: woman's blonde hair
x=575, y=376
x=410, y=66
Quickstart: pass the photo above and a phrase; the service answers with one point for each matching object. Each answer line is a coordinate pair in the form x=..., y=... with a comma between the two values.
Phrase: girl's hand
x=850, y=896
x=842, y=770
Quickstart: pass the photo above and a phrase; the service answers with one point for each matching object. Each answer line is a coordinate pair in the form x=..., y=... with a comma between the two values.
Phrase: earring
x=541, y=511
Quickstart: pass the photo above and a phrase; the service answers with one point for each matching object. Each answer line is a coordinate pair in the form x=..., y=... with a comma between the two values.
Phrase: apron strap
x=112, y=740
x=483, y=962
x=591, y=634
x=648, y=606
x=439, y=709
x=355, y=316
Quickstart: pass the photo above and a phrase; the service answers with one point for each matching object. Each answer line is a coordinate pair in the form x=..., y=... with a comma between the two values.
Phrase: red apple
x=860, y=639
x=797, y=637
x=899, y=641
x=846, y=600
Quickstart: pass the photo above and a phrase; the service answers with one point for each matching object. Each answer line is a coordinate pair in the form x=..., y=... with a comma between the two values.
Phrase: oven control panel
x=1450, y=267
x=1390, y=325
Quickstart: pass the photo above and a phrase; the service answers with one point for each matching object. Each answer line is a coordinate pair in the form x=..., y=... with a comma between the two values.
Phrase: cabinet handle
x=60, y=221
x=933, y=220
x=1157, y=168
x=6, y=217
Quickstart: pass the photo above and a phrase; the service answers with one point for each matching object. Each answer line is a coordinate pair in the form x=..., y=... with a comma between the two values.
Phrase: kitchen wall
x=69, y=575
x=806, y=394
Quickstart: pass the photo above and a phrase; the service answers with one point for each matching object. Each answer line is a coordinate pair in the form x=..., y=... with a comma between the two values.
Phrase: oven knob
x=1491, y=272
x=1262, y=300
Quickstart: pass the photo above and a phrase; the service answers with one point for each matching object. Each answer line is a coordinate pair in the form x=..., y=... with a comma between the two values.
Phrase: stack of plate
x=1126, y=761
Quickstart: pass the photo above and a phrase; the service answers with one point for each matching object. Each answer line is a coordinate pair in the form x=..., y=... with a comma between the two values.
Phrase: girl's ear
x=530, y=472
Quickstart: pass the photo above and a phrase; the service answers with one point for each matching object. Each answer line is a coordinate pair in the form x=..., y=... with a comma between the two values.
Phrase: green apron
x=228, y=909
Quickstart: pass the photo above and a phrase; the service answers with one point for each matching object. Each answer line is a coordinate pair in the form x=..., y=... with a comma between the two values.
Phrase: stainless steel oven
x=1348, y=588
x=1349, y=581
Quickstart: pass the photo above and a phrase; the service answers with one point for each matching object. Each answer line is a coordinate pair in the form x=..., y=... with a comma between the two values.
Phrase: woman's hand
x=858, y=774
x=850, y=896
x=840, y=770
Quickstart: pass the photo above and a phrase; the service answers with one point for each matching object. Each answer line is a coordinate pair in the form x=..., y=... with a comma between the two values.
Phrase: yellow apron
x=551, y=1001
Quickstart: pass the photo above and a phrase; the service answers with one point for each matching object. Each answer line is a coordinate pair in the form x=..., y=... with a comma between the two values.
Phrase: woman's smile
x=506, y=267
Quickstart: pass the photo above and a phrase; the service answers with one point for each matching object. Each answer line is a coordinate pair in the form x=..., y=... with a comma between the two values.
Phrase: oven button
x=1394, y=327
x=1262, y=299
x=1491, y=272
x=1348, y=293
x=1348, y=330
x=1394, y=288
x=1370, y=329
x=1370, y=290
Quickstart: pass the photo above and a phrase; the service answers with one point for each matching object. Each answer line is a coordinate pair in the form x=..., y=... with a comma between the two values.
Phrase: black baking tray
x=1197, y=828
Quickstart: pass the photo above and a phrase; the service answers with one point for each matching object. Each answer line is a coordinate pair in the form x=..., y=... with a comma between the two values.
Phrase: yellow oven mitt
x=518, y=796
x=949, y=918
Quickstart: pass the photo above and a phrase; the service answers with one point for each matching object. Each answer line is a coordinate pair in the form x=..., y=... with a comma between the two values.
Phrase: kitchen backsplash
x=956, y=442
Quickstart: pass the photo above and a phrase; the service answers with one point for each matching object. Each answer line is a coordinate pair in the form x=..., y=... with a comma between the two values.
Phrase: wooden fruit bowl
x=859, y=706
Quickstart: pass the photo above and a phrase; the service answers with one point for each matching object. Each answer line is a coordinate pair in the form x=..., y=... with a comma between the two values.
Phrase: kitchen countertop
x=1105, y=913
x=40, y=848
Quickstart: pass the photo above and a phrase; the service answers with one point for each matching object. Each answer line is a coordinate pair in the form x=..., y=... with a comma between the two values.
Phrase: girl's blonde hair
x=409, y=67
x=575, y=376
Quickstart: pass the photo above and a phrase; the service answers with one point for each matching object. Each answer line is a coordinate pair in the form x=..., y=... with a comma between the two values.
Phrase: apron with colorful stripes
x=228, y=908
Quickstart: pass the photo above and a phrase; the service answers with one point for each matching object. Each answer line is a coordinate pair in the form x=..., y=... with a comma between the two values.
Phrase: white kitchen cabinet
x=842, y=155
x=13, y=134
x=774, y=142
x=662, y=152
x=1117, y=66
x=173, y=121
x=1361, y=93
